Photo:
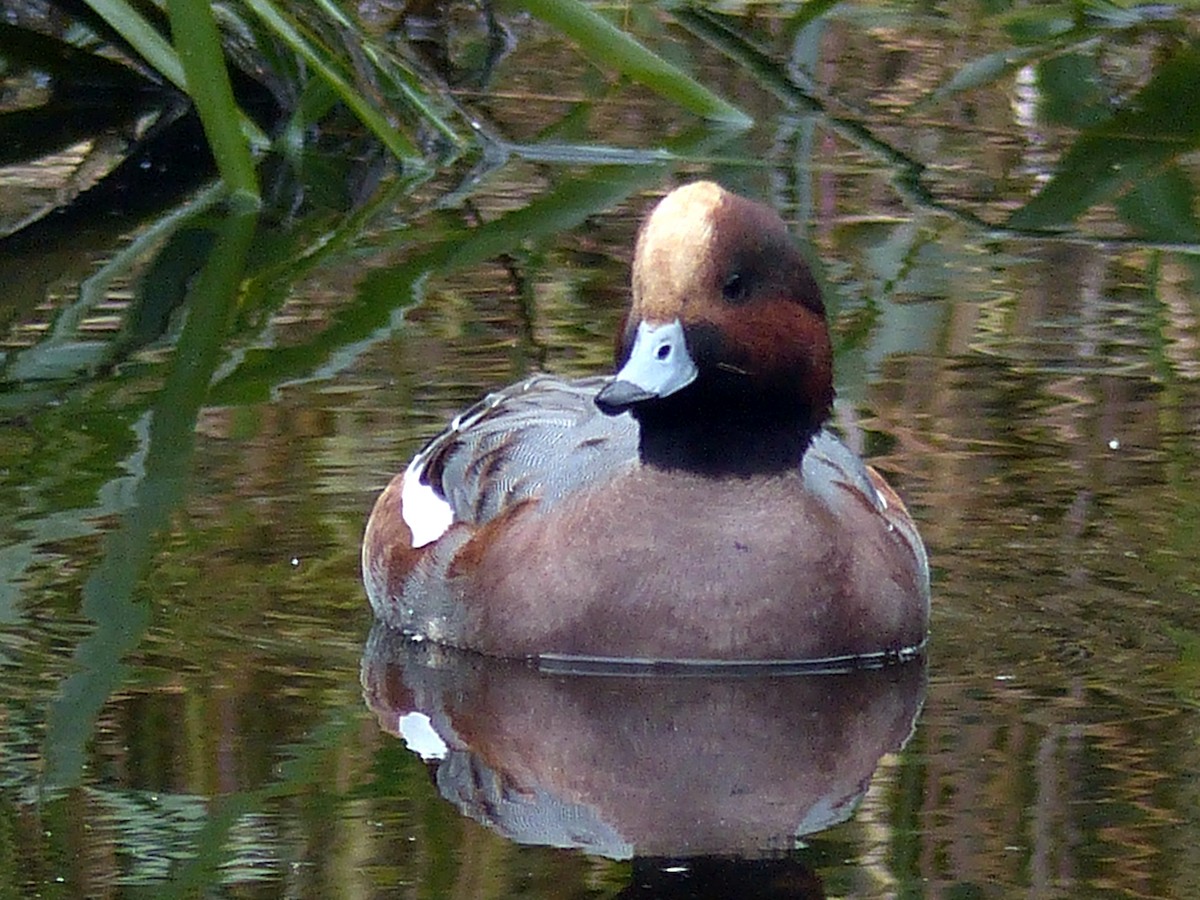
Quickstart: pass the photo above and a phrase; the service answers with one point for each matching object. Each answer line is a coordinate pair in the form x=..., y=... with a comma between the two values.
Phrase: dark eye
x=663, y=352
x=735, y=288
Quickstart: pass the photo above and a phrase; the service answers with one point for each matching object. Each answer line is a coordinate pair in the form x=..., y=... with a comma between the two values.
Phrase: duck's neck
x=719, y=442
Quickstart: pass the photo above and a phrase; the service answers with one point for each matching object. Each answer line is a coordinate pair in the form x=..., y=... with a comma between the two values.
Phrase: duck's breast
x=663, y=564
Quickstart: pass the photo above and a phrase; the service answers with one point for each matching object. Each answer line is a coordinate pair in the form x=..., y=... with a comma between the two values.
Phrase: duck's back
x=541, y=440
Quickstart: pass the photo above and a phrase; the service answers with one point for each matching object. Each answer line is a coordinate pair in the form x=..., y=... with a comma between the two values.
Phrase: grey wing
x=539, y=439
x=843, y=469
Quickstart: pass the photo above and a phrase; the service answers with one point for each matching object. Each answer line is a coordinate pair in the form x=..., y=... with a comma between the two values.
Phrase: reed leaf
x=404, y=81
x=324, y=64
x=143, y=38
x=198, y=44
x=609, y=45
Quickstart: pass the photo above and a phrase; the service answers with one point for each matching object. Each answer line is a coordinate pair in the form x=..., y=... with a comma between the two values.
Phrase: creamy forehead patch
x=684, y=216
x=674, y=250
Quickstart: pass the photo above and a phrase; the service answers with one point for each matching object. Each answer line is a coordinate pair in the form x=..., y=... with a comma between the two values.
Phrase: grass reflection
x=108, y=594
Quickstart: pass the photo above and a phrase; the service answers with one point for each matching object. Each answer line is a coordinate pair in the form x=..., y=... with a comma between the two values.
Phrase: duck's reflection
x=722, y=764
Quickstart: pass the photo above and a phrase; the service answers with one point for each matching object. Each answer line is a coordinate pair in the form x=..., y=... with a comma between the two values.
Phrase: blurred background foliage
x=249, y=142
x=271, y=80
x=304, y=109
x=173, y=171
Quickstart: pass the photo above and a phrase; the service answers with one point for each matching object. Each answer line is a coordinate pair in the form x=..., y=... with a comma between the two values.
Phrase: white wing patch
x=421, y=737
x=426, y=514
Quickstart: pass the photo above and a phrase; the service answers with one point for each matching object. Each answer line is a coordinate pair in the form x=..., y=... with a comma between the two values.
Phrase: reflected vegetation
x=197, y=406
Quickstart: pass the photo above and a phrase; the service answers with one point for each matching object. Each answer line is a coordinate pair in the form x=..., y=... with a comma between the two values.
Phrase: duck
x=693, y=507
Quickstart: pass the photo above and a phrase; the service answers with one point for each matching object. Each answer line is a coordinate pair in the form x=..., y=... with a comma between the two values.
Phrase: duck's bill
x=659, y=364
x=617, y=396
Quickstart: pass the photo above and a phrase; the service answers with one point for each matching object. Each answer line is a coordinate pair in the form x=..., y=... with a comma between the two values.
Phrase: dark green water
x=192, y=701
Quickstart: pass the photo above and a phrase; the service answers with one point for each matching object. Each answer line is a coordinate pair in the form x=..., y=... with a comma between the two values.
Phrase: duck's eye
x=664, y=350
x=735, y=288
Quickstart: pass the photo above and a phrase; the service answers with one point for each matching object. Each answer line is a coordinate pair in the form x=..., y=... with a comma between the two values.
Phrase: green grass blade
x=198, y=44
x=320, y=60
x=407, y=83
x=143, y=37
x=606, y=43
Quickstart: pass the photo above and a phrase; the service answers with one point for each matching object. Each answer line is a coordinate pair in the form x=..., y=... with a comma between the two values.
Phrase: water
x=194, y=702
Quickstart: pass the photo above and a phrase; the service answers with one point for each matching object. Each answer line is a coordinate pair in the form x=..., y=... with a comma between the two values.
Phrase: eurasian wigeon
x=693, y=507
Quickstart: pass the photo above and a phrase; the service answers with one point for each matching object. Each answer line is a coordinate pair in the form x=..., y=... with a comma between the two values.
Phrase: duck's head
x=727, y=320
